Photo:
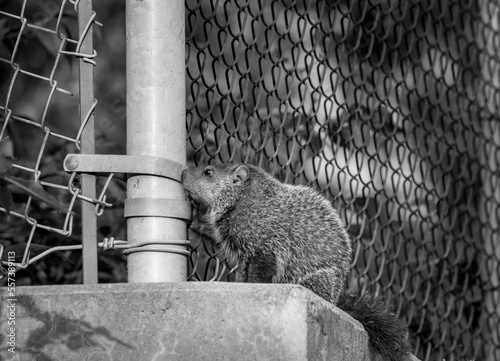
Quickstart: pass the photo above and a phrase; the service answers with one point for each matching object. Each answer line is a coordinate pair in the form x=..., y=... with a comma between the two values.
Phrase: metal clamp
x=158, y=207
x=123, y=165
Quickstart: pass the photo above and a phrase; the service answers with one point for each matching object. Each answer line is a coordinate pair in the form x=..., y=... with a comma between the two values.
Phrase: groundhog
x=282, y=233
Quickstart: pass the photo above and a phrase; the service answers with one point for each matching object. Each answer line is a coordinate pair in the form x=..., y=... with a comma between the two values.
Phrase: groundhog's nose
x=183, y=175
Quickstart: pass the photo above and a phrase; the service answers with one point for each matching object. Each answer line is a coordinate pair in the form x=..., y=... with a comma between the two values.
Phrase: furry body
x=281, y=233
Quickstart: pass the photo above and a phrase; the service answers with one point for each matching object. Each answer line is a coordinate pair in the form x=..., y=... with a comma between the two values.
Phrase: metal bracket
x=123, y=166
x=158, y=207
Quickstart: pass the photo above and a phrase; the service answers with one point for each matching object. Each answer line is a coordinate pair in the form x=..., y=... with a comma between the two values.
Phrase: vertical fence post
x=156, y=127
x=89, y=218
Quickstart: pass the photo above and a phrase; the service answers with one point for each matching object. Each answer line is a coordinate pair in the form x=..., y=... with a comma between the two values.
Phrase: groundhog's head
x=214, y=188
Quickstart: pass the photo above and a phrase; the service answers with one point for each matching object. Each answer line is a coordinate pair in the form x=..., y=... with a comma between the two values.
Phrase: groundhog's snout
x=183, y=175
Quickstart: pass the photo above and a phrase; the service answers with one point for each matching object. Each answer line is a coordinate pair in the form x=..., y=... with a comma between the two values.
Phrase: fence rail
x=388, y=108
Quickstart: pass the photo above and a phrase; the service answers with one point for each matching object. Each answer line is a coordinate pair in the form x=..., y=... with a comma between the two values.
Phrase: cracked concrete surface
x=180, y=321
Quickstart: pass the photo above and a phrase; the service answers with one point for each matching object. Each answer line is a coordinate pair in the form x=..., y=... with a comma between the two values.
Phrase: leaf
x=7, y=148
x=6, y=156
x=9, y=34
x=6, y=200
x=5, y=164
x=36, y=190
x=19, y=248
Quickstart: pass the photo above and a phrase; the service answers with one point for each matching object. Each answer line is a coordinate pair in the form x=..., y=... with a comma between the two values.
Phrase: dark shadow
x=56, y=329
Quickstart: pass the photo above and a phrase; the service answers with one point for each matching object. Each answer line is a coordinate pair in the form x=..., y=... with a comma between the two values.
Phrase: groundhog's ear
x=240, y=174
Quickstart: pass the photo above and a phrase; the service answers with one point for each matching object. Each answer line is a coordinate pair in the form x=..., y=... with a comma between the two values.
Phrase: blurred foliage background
x=28, y=99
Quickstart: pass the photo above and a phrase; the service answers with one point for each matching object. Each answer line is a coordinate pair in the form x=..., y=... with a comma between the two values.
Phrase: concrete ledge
x=178, y=321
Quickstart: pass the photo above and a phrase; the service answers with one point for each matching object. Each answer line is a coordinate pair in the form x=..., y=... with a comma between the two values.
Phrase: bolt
x=72, y=163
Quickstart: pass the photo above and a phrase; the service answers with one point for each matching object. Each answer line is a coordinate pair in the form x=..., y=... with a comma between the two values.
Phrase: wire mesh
x=40, y=122
x=391, y=110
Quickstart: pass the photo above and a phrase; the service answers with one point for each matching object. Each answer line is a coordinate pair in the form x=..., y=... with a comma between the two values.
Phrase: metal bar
x=89, y=218
x=124, y=165
x=156, y=127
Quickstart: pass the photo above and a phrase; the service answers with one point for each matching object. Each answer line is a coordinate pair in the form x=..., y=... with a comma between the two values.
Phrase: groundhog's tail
x=386, y=333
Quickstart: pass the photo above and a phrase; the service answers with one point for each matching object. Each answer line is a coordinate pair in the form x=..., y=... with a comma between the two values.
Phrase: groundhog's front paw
x=196, y=225
x=201, y=227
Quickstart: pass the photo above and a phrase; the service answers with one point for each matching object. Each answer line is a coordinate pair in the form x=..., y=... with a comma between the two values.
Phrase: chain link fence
x=40, y=122
x=46, y=112
x=389, y=108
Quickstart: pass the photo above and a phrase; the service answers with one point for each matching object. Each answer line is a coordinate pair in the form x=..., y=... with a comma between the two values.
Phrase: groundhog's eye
x=208, y=172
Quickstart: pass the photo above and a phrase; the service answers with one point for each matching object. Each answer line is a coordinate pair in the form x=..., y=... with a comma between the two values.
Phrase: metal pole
x=89, y=218
x=156, y=127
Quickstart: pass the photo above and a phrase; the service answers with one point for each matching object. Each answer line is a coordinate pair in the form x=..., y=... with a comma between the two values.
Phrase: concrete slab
x=177, y=321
